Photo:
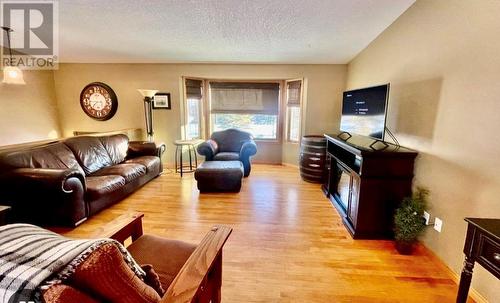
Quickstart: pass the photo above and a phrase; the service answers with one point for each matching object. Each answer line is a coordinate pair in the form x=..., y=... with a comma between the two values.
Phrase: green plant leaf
x=408, y=219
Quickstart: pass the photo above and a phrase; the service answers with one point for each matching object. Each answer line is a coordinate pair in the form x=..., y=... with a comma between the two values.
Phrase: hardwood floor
x=288, y=244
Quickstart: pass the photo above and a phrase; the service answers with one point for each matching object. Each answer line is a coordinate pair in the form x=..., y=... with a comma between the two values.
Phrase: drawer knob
x=496, y=256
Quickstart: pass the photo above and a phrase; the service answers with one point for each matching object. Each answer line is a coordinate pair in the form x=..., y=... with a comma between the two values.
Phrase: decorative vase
x=405, y=248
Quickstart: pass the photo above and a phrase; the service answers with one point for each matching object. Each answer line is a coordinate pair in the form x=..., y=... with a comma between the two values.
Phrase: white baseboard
x=290, y=165
x=474, y=294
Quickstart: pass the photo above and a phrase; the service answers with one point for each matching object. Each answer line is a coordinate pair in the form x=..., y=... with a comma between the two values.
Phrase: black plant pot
x=405, y=248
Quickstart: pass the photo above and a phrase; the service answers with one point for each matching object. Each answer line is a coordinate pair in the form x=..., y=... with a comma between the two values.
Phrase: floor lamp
x=148, y=95
x=11, y=74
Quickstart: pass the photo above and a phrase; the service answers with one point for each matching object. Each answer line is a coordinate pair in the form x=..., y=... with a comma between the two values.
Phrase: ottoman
x=219, y=176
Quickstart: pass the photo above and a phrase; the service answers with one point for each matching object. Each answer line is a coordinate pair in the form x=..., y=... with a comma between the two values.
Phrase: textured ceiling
x=244, y=31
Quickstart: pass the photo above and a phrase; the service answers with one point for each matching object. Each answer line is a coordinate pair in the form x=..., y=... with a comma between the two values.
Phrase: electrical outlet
x=427, y=217
x=438, y=224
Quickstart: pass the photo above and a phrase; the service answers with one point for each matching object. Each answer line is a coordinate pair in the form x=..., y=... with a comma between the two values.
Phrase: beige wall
x=28, y=112
x=326, y=83
x=442, y=59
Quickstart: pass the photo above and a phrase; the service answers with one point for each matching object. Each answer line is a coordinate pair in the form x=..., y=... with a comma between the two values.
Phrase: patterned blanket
x=32, y=257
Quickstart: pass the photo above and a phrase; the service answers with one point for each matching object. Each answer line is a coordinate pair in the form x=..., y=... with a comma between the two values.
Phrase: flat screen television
x=364, y=111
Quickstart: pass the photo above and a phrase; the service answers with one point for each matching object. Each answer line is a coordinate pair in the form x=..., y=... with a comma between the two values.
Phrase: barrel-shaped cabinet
x=312, y=158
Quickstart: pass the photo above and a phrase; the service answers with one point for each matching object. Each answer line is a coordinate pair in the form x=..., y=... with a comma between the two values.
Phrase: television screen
x=364, y=111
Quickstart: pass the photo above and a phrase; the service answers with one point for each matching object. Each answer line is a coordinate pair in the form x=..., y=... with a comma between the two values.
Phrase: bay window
x=252, y=107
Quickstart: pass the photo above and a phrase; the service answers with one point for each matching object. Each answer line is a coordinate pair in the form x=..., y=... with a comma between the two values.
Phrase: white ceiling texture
x=222, y=31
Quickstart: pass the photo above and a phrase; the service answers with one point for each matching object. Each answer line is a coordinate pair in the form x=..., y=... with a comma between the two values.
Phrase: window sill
x=270, y=141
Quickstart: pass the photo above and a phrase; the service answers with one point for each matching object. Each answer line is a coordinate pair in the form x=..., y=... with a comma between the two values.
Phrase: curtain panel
x=293, y=93
x=193, y=88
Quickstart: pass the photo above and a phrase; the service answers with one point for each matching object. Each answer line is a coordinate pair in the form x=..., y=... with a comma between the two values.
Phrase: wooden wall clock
x=99, y=101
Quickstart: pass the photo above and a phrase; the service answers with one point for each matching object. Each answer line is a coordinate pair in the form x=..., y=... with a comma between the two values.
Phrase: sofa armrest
x=248, y=148
x=208, y=149
x=44, y=196
x=200, y=279
x=128, y=225
x=145, y=148
x=50, y=178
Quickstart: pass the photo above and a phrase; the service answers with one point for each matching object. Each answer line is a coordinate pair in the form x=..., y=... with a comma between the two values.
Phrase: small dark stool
x=219, y=176
x=179, y=148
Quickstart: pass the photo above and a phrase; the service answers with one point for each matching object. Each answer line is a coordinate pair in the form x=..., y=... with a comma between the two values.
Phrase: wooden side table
x=180, y=167
x=4, y=213
x=482, y=245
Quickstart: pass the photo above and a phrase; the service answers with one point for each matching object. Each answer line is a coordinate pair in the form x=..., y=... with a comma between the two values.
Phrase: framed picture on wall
x=162, y=101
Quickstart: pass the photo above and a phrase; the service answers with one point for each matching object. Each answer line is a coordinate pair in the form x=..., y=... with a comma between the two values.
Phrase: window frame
x=201, y=128
x=289, y=124
x=288, y=110
x=200, y=134
x=272, y=118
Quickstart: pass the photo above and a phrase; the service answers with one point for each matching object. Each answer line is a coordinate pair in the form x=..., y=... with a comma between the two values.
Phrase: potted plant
x=409, y=222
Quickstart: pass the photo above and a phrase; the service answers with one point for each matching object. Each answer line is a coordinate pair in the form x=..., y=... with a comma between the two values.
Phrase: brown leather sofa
x=63, y=183
x=230, y=145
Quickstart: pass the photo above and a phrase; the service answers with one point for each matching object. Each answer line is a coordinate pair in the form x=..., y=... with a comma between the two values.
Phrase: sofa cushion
x=116, y=146
x=129, y=171
x=97, y=186
x=61, y=293
x=89, y=152
x=56, y=155
x=105, y=274
x=151, y=163
x=166, y=256
x=227, y=156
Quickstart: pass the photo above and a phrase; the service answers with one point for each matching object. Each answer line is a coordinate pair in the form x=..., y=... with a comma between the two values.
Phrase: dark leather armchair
x=229, y=145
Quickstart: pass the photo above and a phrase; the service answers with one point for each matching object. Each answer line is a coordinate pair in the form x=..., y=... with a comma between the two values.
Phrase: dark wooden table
x=482, y=245
x=4, y=212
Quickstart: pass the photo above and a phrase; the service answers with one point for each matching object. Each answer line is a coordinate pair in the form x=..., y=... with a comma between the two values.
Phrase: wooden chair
x=200, y=278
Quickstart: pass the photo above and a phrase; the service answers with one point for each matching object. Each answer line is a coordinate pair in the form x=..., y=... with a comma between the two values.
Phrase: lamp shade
x=147, y=92
x=13, y=75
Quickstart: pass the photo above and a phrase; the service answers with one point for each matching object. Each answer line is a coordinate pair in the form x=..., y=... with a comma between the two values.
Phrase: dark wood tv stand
x=366, y=184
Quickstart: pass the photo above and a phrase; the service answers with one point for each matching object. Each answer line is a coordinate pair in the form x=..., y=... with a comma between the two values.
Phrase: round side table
x=180, y=167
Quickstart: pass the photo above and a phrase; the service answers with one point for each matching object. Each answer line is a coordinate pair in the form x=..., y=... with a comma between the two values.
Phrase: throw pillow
x=61, y=293
x=106, y=274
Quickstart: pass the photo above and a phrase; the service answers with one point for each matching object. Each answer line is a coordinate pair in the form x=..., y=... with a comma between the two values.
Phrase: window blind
x=244, y=98
x=293, y=93
x=193, y=88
